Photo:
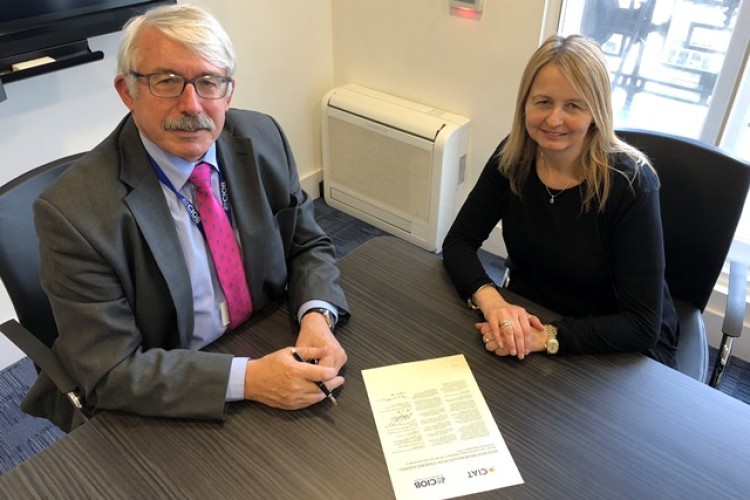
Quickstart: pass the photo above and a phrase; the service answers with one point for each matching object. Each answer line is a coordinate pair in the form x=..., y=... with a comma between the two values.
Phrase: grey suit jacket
x=116, y=278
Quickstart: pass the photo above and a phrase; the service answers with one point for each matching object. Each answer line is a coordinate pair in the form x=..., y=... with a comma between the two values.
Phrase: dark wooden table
x=617, y=426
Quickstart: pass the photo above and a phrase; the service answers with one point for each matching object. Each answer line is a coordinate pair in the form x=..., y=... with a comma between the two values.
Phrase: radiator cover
x=393, y=163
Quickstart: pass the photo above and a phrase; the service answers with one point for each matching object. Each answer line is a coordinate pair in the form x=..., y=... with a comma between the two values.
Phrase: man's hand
x=314, y=332
x=280, y=381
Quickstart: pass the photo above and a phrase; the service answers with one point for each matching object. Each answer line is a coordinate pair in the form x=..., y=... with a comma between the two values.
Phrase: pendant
x=552, y=200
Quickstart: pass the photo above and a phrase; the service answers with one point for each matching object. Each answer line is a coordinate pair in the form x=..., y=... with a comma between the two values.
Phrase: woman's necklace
x=553, y=196
x=561, y=191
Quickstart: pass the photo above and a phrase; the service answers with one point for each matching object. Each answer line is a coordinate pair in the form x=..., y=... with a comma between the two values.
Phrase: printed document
x=438, y=435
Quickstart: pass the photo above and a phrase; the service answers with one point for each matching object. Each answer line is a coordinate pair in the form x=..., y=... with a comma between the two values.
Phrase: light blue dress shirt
x=207, y=294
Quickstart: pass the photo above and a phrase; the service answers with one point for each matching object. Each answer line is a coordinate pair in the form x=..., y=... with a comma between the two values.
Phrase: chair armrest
x=40, y=354
x=734, y=316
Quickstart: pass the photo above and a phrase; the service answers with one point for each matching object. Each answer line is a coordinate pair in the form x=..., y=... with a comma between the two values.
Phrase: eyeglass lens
x=207, y=86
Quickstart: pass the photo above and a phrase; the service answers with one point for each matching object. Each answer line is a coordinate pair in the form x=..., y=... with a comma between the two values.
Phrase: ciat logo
x=481, y=472
x=429, y=481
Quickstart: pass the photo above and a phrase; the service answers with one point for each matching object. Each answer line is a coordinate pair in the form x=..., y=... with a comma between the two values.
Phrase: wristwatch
x=328, y=315
x=552, y=345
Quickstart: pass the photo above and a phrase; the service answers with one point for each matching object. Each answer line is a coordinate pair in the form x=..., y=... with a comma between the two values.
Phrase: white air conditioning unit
x=393, y=163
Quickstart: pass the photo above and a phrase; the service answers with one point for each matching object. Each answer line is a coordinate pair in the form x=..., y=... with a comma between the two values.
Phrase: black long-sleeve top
x=603, y=271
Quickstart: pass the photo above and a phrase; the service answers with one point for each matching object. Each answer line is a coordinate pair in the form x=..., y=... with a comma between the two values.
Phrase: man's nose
x=189, y=99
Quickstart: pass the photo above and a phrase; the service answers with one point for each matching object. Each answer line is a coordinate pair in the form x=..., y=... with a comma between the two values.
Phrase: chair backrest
x=703, y=192
x=19, y=248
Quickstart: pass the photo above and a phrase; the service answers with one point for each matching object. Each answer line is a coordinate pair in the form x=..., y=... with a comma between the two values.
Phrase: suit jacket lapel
x=146, y=203
x=249, y=211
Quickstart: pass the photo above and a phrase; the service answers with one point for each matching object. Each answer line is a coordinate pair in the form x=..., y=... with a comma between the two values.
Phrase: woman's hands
x=535, y=342
x=508, y=330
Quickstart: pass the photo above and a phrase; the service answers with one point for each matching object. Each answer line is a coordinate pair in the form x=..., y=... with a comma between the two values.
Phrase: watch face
x=552, y=346
x=328, y=315
x=329, y=319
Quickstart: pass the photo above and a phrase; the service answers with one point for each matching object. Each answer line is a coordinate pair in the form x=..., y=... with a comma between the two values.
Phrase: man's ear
x=230, y=93
x=121, y=85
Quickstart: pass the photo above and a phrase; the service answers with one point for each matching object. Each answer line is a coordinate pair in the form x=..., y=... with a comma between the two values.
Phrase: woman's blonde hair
x=581, y=61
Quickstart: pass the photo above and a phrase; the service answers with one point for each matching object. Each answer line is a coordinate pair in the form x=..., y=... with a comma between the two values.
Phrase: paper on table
x=438, y=435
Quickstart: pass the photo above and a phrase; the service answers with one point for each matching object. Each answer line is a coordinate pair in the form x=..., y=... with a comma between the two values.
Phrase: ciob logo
x=429, y=481
x=471, y=474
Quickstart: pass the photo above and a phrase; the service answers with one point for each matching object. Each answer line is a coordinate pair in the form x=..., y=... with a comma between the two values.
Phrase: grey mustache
x=189, y=123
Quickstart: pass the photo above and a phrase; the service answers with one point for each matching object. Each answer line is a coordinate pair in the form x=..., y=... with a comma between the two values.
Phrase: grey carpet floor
x=22, y=436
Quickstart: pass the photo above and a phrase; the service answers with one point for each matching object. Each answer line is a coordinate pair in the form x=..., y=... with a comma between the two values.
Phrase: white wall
x=285, y=66
x=419, y=51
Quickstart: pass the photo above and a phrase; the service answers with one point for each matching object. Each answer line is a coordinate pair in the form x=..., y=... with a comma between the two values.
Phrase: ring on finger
x=505, y=324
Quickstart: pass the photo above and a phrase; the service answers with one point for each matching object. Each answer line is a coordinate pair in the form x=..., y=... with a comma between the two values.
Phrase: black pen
x=322, y=386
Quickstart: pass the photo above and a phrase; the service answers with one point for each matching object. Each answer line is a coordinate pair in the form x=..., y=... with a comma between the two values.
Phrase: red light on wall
x=467, y=9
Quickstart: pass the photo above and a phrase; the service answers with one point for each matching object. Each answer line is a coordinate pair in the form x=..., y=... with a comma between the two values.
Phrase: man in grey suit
x=126, y=267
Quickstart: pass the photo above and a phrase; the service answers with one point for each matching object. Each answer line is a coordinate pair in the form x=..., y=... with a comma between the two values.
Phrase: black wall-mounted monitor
x=58, y=30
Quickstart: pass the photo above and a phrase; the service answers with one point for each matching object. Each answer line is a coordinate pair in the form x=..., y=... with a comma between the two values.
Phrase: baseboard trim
x=311, y=183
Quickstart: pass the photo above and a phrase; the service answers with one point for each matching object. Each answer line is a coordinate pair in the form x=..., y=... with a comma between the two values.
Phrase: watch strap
x=327, y=314
x=552, y=345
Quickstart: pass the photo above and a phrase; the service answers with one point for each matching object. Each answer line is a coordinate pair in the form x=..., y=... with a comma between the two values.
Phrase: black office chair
x=703, y=192
x=35, y=331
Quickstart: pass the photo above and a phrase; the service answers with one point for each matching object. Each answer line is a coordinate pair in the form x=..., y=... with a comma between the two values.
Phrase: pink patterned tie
x=223, y=246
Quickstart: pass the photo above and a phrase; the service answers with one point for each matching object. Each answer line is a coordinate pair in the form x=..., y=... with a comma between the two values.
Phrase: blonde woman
x=580, y=217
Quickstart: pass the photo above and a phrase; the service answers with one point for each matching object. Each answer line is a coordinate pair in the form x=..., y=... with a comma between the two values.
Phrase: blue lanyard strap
x=189, y=207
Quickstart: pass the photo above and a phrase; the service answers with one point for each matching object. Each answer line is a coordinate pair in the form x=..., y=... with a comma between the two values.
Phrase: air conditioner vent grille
x=381, y=167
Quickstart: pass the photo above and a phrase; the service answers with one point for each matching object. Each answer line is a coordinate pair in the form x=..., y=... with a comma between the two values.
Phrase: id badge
x=224, y=308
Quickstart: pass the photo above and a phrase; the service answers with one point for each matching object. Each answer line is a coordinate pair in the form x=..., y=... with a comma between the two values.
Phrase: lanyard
x=189, y=207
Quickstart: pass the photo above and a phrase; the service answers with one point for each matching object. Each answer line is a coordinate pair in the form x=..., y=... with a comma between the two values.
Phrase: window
x=676, y=67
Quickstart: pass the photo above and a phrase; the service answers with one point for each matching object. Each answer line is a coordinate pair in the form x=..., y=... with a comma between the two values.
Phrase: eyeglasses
x=169, y=85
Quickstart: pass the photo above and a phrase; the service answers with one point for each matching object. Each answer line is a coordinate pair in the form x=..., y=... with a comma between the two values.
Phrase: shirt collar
x=175, y=168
